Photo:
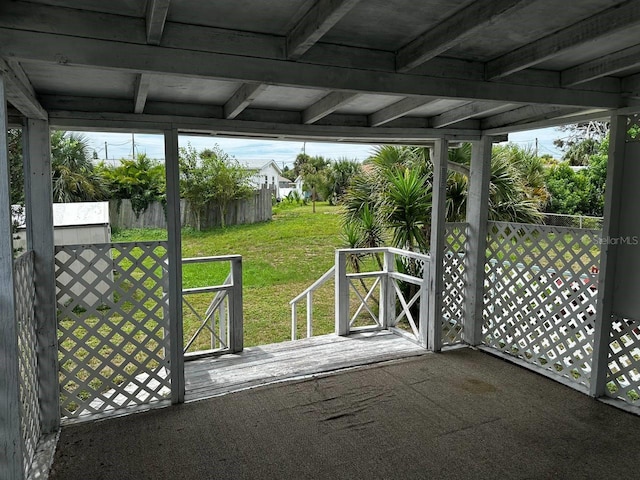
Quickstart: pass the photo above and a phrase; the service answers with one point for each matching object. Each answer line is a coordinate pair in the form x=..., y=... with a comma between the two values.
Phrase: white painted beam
x=141, y=90
x=450, y=32
x=20, y=92
x=601, y=67
x=316, y=22
x=464, y=112
x=156, y=17
x=11, y=446
x=242, y=98
x=610, y=21
x=43, y=47
x=326, y=106
x=397, y=110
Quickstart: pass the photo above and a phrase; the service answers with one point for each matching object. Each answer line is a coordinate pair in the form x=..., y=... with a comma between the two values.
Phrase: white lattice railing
x=307, y=295
x=540, y=296
x=455, y=283
x=623, y=375
x=112, y=327
x=210, y=319
x=393, y=297
x=27, y=361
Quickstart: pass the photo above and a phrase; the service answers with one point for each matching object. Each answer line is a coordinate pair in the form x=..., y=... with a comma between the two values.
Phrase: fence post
x=236, y=319
x=294, y=321
x=342, y=294
x=388, y=296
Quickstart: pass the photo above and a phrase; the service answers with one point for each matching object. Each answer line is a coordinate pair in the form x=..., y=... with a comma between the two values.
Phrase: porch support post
x=438, y=216
x=11, y=448
x=39, y=223
x=342, y=294
x=175, y=265
x=614, y=193
x=477, y=215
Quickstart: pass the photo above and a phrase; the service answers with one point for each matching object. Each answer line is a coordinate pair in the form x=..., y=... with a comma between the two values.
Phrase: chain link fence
x=574, y=221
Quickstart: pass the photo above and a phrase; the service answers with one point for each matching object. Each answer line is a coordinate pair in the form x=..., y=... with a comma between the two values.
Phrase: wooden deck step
x=278, y=362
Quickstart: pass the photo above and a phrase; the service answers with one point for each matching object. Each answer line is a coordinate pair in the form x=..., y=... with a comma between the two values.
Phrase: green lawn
x=280, y=259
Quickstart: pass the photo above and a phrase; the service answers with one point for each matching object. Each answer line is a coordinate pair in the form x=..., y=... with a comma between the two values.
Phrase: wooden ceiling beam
x=114, y=55
x=242, y=98
x=601, y=67
x=141, y=90
x=316, y=22
x=610, y=21
x=453, y=30
x=326, y=106
x=464, y=112
x=529, y=113
x=397, y=110
x=156, y=18
x=20, y=92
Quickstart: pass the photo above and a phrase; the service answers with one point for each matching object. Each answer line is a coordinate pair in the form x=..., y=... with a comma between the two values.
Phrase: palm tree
x=73, y=176
x=397, y=189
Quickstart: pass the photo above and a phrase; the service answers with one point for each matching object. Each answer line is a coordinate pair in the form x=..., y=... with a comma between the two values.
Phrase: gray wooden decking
x=294, y=359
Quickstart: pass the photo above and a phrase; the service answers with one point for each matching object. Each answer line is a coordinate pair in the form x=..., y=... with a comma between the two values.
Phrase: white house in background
x=287, y=186
x=270, y=174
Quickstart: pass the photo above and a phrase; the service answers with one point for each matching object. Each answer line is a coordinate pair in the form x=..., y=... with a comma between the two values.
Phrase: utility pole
x=106, y=151
x=133, y=146
x=536, y=146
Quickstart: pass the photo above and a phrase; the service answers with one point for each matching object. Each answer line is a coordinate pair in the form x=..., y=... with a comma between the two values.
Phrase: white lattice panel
x=364, y=301
x=27, y=362
x=624, y=361
x=112, y=326
x=540, y=296
x=455, y=285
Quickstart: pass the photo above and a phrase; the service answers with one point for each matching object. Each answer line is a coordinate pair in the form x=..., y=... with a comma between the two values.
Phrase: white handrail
x=308, y=293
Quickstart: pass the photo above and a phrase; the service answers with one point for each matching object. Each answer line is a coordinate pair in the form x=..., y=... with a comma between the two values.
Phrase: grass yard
x=280, y=259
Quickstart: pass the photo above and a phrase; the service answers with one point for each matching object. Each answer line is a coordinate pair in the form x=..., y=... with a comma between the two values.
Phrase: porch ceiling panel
x=597, y=48
x=79, y=81
x=169, y=88
x=287, y=98
x=371, y=25
x=343, y=64
x=367, y=104
x=276, y=18
x=521, y=26
x=132, y=8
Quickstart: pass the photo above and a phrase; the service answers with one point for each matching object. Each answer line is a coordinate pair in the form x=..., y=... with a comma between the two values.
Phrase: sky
x=119, y=145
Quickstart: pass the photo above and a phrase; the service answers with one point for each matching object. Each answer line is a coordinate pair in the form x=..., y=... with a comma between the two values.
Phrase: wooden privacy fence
x=257, y=208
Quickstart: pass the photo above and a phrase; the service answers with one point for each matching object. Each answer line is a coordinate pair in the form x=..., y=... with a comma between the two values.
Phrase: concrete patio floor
x=455, y=415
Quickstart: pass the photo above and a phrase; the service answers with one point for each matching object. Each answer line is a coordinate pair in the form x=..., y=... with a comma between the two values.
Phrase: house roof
x=260, y=164
x=340, y=70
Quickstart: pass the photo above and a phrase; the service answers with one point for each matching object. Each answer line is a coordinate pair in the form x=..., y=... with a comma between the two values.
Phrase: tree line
x=389, y=192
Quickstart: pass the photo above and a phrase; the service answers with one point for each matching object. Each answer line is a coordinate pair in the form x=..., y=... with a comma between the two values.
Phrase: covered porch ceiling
x=335, y=70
